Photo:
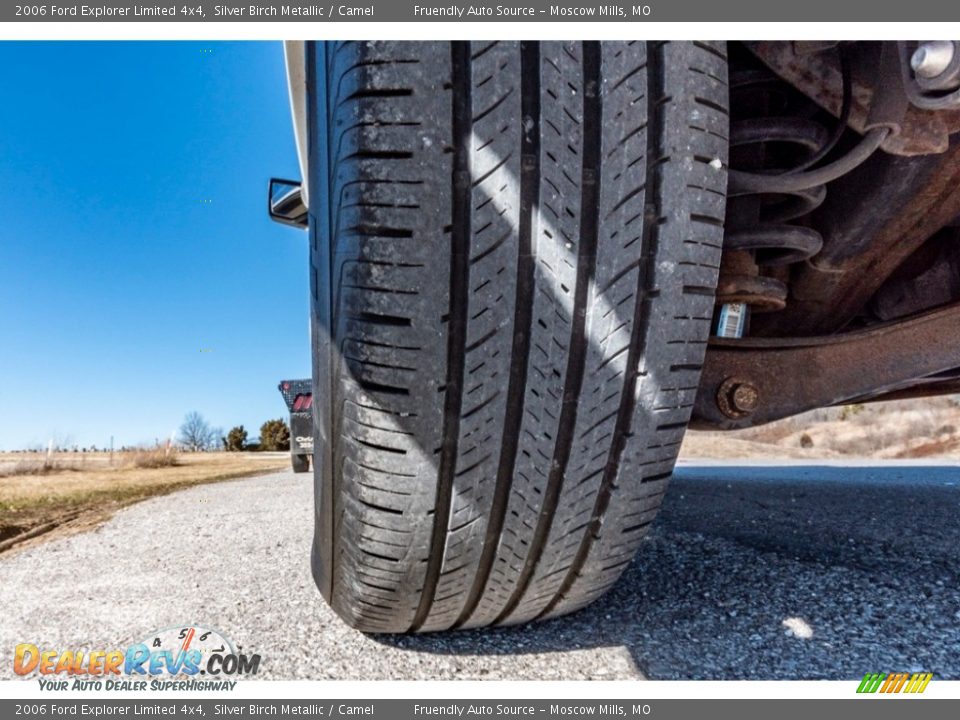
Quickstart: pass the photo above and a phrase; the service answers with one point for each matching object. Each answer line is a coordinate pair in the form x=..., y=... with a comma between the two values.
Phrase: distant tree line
x=197, y=435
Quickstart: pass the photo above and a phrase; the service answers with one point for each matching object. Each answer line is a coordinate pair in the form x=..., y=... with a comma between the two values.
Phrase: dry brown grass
x=74, y=487
x=942, y=447
x=37, y=467
x=925, y=428
x=155, y=458
x=139, y=473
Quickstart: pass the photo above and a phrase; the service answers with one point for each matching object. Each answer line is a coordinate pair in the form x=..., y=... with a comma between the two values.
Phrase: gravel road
x=787, y=571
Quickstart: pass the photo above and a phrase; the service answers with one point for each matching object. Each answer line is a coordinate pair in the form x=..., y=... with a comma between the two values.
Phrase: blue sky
x=140, y=277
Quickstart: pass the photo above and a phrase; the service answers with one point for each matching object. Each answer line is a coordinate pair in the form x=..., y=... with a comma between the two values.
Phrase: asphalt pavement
x=752, y=572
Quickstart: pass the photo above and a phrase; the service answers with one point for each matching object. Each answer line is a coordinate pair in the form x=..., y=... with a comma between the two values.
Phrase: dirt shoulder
x=72, y=492
x=914, y=429
x=723, y=446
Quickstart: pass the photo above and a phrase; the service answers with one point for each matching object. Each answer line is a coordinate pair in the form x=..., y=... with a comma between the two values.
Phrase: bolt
x=737, y=398
x=932, y=58
x=745, y=397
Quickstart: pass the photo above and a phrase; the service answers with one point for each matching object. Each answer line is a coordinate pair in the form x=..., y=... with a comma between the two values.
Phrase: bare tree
x=196, y=433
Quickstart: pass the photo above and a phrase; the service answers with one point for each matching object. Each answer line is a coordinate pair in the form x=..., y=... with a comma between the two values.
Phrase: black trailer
x=298, y=395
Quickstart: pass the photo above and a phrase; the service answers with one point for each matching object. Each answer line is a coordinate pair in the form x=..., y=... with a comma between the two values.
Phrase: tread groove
x=520, y=350
x=586, y=259
x=642, y=310
x=456, y=328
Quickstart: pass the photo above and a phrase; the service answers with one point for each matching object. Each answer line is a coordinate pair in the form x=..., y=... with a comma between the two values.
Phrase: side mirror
x=285, y=203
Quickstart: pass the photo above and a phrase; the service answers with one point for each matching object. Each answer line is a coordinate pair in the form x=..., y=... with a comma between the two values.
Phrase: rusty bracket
x=817, y=75
x=752, y=381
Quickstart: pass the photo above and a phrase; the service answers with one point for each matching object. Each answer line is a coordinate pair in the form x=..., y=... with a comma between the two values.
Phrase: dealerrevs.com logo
x=189, y=657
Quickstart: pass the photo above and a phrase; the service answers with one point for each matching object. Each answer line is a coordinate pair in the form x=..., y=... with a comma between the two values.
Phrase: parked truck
x=298, y=395
x=534, y=264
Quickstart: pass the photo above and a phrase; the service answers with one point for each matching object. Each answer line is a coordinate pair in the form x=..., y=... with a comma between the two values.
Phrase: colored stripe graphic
x=870, y=683
x=919, y=681
x=898, y=681
x=894, y=683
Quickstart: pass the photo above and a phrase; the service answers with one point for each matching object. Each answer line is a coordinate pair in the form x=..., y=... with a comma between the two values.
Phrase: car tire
x=514, y=253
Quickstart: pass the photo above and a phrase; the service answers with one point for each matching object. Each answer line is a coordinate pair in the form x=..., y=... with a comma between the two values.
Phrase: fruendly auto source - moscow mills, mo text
x=519, y=10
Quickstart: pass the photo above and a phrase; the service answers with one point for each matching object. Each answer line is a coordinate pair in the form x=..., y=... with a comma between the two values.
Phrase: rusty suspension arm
x=752, y=381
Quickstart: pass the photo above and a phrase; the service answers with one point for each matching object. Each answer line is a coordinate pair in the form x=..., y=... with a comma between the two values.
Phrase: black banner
x=320, y=708
x=510, y=11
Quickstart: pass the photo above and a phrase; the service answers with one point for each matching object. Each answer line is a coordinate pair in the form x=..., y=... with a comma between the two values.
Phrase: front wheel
x=515, y=256
x=301, y=463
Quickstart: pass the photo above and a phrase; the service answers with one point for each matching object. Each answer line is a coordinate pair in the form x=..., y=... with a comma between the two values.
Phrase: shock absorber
x=768, y=136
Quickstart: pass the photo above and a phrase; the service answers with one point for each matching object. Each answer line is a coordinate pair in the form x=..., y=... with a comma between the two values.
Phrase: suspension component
x=760, y=240
x=931, y=74
x=931, y=59
x=736, y=398
x=756, y=380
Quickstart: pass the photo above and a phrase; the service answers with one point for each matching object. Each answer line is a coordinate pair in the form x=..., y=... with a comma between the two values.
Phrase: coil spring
x=760, y=241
